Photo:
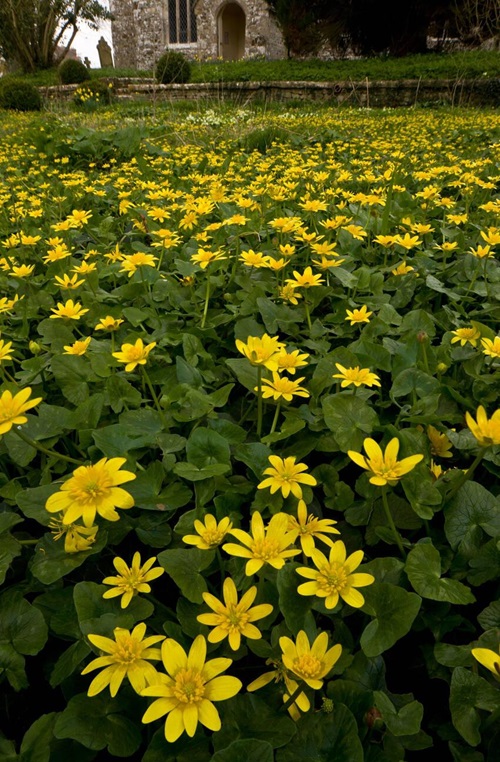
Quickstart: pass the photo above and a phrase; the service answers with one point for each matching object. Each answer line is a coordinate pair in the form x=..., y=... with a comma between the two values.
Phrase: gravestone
x=105, y=55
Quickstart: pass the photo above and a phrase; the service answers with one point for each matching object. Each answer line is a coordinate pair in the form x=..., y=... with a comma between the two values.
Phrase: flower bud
x=35, y=348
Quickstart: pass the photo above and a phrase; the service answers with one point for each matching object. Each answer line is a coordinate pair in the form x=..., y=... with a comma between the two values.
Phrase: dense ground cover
x=458, y=65
x=249, y=435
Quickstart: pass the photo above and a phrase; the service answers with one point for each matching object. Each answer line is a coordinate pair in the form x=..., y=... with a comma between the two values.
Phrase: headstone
x=87, y=63
x=105, y=55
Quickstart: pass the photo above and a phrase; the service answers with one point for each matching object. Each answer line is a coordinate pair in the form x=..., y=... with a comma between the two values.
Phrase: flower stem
x=308, y=316
x=153, y=394
x=391, y=523
x=292, y=699
x=275, y=419
x=259, y=401
x=205, y=308
x=45, y=450
x=468, y=474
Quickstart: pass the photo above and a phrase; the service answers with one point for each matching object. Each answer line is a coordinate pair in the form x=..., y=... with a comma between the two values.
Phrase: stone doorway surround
x=231, y=27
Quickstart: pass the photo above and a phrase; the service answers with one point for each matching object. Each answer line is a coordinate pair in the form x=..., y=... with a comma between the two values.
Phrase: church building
x=143, y=29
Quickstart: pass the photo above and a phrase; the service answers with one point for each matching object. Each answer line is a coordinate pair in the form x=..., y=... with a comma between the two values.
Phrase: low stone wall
x=390, y=94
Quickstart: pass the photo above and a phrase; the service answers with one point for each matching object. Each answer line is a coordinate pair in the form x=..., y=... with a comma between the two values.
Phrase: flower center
x=213, y=537
x=265, y=549
x=332, y=578
x=189, y=686
x=8, y=410
x=128, y=651
x=235, y=620
x=307, y=665
x=134, y=353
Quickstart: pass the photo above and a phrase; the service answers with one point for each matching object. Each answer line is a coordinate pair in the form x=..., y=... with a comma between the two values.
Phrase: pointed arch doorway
x=231, y=32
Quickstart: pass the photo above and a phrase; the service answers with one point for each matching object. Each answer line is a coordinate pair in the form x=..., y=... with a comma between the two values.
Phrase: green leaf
x=184, y=566
x=423, y=567
x=7, y=751
x=23, y=632
x=195, y=474
x=146, y=487
x=153, y=530
x=248, y=716
x=246, y=750
x=72, y=374
x=69, y=660
x=205, y=448
x=422, y=495
x=35, y=746
x=244, y=372
x=293, y=606
x=351, y=420
x=184, y=750
x=489, y=617
x=414, y=380
x=9, y=546
x=100, y=616
x=325, y=738
x=97, y=724
x=394, y=610
x=469, y=692
x=453, y=656
x=254, y=455
x=32, y=502
x=50, y=561
x=472, y=511
x=117, y=440
x=406, y=721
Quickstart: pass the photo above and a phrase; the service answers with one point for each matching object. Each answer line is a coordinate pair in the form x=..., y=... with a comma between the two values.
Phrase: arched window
x=181, y=22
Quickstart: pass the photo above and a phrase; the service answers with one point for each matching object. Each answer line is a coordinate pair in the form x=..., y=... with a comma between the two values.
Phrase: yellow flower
x=204, y=257
x=186, y=694
x=440, y=444
x=261, y=351
x=325, y=264
x=403, y=269
x=210, y=534
x=310, y=662
x=282, y=388
x=482, y=252
x=305, y=279
x=333, y=577
x=5, y=350
x=486, y=431
x=286, y=475
x=436, y=470
x=488, y=659
x=289, y=294
x=492, y=236
x=134, y=354
x=78, y=218
x=13, y=407
x=132, y=262
x=357, y=376
x=356, y=231
x=109, y=323
x=68, y=311
x=307, y=528
x=359, y=316
x=279, y=674
x=93, y=489
x=128, y=655
x=385, y=240
x=23, y=271
x=385, y=467
x=133, y=580
x=466, y=336
x=7, y=304
x=76, y=537
x=68, y=283
x=265, y=545
x=233, y=618
x=252, y=258
x=78, y=348
x=407, y=241
x=491, y=347
x=289, y=361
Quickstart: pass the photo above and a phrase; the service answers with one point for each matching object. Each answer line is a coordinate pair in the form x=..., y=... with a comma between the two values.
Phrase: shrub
x=73, y=72
x=92, y=94
x=19, y=96
x=173, y=67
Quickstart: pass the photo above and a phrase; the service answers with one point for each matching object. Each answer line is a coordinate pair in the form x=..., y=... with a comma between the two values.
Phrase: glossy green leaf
x=394, y=610
x=325, y=737
x=423, y=567
x=350, y=419
x=185, y=567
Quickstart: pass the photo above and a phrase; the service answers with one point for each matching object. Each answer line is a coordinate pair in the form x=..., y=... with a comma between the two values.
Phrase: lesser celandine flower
x=402, y=269
x=308, y=528
x=232, y=618
x=131, y=580
x=265, y=545
x=188, y=690
x=310, y=662
x=286, y=475
x=384, y=466
x=491, y=347
x=305, y=279
x=68, y=283
x=128, y=655
x=356, y=376
x=282, y=387
x=205, y=257
x=13, y=407
x=132, y=262
x=261, y=351
x=5, y=350
x=210, y=532
x=488, y=659
x=93, y=489
x=334, y=576
x=76, y=537
x=134, y=354
x=358, y=316
x=290, y=361
x=78, y=348
x=69, y=311
x=280, y=675
x=440, y=444
x=486, y=430
x=109, y=323
x=466, y=336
